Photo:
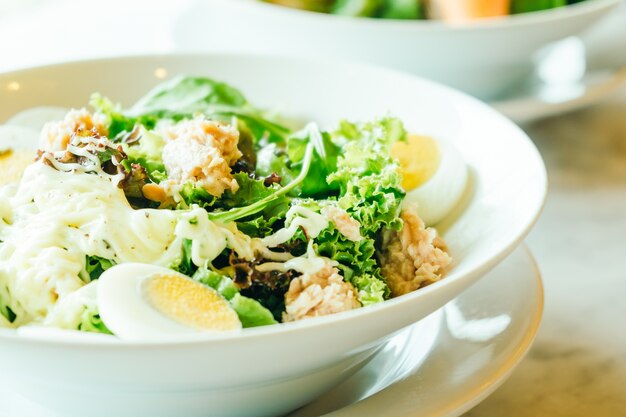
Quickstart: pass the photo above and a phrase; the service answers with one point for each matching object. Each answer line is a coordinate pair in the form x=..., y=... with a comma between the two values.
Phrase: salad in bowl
x=124, y=227
x=193, y=211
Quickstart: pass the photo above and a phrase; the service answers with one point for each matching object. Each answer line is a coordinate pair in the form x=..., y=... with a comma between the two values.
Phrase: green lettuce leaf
x=91, y=322
x=185, y=96
x=147, y=153
x=367, y=175
x=184, y=264
x=96, y=265
x=250, y=312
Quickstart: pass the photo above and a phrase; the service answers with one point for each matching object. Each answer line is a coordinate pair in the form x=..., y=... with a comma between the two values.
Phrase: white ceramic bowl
x=268, y=371
x=482, y=58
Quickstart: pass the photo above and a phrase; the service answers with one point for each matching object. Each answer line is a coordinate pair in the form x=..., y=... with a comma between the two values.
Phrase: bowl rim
x=521, y=20
x=96, y=341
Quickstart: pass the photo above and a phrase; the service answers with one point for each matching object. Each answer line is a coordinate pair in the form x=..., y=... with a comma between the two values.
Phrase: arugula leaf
x=324, y=160
x=258, y=206
x=96, y=265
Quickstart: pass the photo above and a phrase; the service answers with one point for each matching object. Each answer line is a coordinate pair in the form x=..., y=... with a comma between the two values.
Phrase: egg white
x=124, y=309
x=438, y=196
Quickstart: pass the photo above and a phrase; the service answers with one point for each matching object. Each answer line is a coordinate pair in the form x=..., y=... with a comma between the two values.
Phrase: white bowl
x=268, y=371
x=482, y=58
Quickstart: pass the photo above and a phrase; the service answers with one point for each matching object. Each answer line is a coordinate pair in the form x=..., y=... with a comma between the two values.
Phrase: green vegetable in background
x=524, y=6
x=402, y=9
x=363, y=8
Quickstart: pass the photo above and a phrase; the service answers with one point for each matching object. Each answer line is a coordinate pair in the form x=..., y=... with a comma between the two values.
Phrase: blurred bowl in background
x=483, y=58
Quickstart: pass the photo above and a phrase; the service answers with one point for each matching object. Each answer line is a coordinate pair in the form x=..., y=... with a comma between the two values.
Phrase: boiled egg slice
x=18, y=146
x=434, y=175
x=140, y=302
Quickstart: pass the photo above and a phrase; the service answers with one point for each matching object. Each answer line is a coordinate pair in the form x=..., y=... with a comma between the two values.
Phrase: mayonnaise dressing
x=298, y=217
x=57, y=218
x=53, y=219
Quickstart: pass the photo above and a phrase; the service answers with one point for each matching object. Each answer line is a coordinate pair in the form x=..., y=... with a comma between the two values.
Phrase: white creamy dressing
x=68, y=311
x=313, y=223
x=310, y=263
x=297, y=216
x=53, y=219
x=56, y=219
x=209, y=239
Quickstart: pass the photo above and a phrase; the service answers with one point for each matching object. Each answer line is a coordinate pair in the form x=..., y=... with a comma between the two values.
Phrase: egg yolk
x=419, y=158
x=12, y=165
x=189, y=303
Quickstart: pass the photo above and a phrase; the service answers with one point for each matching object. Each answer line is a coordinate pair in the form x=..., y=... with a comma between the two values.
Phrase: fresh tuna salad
x=193, y=211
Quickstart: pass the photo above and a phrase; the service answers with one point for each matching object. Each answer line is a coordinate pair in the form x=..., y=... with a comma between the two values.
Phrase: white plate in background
x=572, y=74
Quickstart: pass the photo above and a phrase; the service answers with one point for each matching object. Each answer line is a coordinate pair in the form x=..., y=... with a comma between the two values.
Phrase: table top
x=577, y=367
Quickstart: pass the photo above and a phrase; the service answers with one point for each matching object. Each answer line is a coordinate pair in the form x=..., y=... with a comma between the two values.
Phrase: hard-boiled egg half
x=140, y=302
x=434, y=175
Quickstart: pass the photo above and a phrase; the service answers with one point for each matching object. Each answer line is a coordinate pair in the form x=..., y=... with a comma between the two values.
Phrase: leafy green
x=372, y=288
x=184, y=264
x=220, y=283
x=118, y=123
x=251, y=312
x=185, y=96
x=324, y=160
x=96, y=265
x=192, y=193
x=272, y=159
x=363, y=8
x=147, y=153
x=91, y=322
x=368, y=176
x=524, y=6
x=262, y=204
x=402, y=9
